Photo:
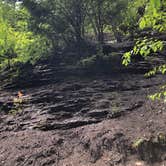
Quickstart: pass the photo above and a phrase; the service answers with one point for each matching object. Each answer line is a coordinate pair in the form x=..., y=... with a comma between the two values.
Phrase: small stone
x=159, y=112
x=142, y=115
x=139, y=164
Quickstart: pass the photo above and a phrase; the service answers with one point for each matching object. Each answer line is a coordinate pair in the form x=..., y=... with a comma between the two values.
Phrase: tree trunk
x=117, y=34
x=79, y=24
x=100, y=23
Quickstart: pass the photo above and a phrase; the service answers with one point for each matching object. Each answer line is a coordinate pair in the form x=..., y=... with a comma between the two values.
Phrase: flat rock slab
x=74, y=102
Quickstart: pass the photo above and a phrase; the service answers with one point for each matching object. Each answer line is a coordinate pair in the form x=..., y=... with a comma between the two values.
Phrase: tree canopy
x=33, y=29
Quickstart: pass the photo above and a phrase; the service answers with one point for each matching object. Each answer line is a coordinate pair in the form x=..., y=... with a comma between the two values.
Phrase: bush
x=17, y=43
x=103, y=63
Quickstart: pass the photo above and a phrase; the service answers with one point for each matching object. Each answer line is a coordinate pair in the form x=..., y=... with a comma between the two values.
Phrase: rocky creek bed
x=83, y=121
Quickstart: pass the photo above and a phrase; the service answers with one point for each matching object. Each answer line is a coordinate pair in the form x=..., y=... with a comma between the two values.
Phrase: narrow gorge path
x=79, y=121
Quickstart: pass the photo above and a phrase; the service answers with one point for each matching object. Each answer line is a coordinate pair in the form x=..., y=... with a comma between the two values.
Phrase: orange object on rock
x=20, y=94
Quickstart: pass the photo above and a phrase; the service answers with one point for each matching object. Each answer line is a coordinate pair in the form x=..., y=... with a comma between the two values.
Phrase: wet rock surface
x=77, y=120
x=74, y=102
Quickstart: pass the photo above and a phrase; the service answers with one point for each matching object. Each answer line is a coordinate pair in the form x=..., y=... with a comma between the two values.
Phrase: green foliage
x=155, y=70
x=142, y=145
x=126, y=58
x=67, y=21
x=143, y=47
x=138, y=143
x=131, y=15
x=101, y=63
x=159, y=95
x=146, y=46
x=89, y=61
x=154, y=18
x=17, y=42
x=60, y=20
x=17, y=106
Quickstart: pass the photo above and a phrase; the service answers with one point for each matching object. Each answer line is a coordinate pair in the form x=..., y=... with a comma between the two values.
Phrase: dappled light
x=82, y=83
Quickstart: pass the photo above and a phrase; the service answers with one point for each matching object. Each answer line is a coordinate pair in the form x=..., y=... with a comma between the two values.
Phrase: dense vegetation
x=68, y=64
x=32, y=30
x=50, y=25
x=17, y=42
x=154, y=19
